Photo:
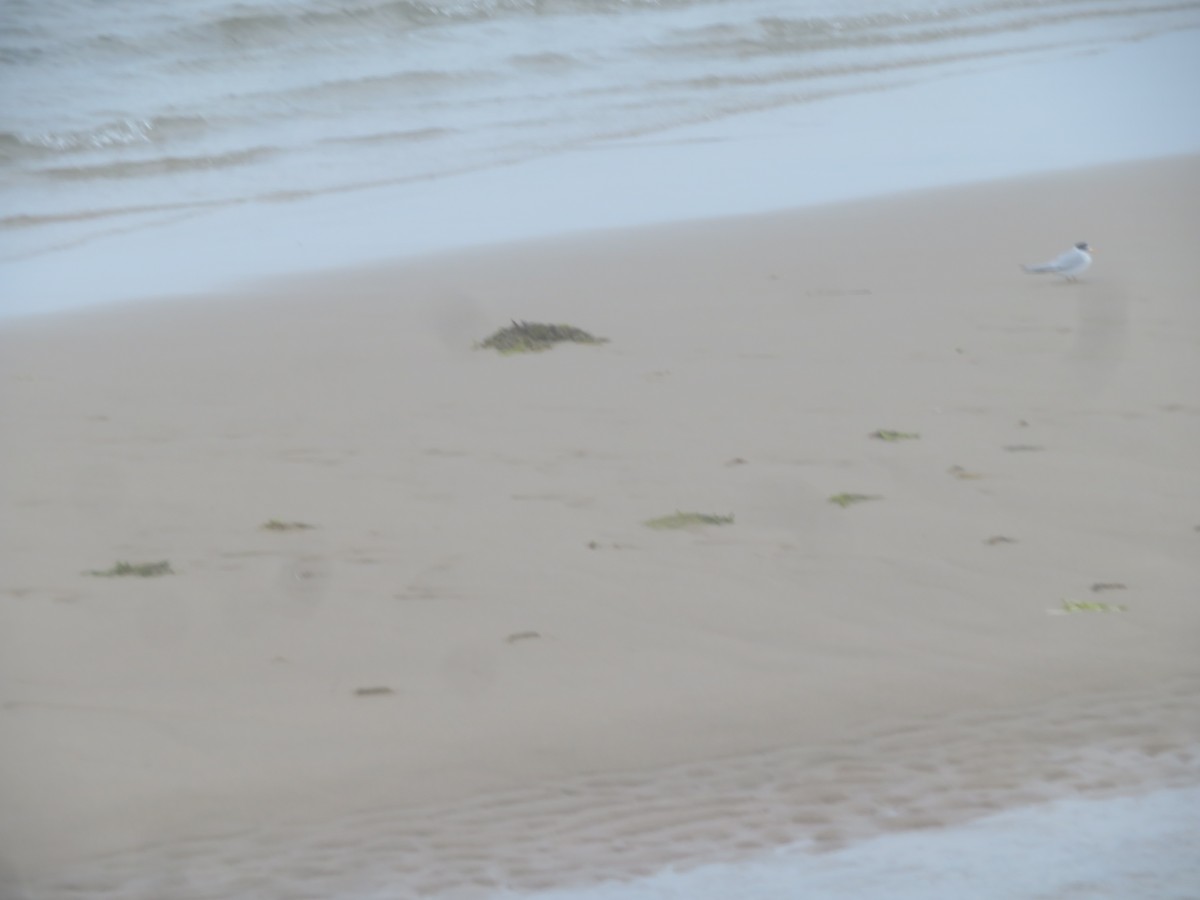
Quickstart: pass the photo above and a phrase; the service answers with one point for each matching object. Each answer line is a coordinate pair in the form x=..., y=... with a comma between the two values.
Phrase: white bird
x=1068, y=265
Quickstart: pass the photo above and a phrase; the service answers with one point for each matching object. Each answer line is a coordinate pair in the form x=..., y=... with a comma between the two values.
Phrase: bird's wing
x=1063, y=261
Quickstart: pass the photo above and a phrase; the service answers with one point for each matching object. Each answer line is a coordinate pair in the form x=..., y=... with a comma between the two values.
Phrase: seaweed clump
x=1075, y=606
x=844, y=500
x=534, y=337
x=688, y=520
x=140, y=570
x=892, y=437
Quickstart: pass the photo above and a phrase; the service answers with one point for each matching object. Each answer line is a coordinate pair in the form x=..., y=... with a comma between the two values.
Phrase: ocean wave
x=780, y=35
x=33, y=220
x=318, y=24
x=32, y=35
x=408, y=136
x=268, y=26
x=12, y=55
x=407, y=80
x=113, y=133
x=546, y=61
x=166, y=165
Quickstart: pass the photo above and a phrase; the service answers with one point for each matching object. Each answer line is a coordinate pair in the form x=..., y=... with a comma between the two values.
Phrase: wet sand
x=570, y=694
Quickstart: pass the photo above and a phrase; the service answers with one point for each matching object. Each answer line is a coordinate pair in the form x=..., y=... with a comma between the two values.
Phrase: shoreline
x=1110, y=849
x=893, y=136
x=461, y=498
x=278, y=287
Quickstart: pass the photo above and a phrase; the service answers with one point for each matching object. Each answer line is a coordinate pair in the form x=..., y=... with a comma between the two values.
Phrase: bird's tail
x=1036, y=270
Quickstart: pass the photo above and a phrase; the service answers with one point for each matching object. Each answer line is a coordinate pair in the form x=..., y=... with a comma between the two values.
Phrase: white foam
x=1101, y=849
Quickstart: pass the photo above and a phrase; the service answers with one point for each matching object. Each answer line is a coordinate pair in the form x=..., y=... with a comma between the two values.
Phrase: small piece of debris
x=1107, y=586
x=522, y=636
x=736, y=461
x=380, y=691
x=1078, y=606
x=999, y=539
x=844, y=500
x=962, y=474
x=893, y=437
x=277, y=525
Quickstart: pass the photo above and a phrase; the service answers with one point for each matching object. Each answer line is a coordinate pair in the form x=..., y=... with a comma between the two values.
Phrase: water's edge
x=1120, y=105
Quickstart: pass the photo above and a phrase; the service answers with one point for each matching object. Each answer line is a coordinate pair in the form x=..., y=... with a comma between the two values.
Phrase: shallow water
x=149, y=148
x=111, y=107
x=1101, y=849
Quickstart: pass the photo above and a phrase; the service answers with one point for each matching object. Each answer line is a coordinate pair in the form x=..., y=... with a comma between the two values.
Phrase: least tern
x=1068, y=265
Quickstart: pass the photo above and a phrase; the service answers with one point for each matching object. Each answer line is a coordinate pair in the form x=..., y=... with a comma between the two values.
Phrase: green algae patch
x=1086, y=606
x=687, y=520
x=278, y=525
x=844, y=500
x=894, y=437
x=534, y=337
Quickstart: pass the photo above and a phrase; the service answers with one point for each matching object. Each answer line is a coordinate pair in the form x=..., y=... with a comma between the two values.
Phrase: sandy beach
x=479, y=669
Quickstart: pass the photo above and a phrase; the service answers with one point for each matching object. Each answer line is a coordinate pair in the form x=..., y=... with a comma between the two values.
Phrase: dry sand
x=806, y=673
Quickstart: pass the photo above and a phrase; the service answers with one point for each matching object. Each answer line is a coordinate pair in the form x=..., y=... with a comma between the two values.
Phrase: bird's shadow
x=1101, y=331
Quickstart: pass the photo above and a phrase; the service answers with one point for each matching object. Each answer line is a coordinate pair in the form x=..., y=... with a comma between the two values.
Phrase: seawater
x=151, y=148
x=1099, y=849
